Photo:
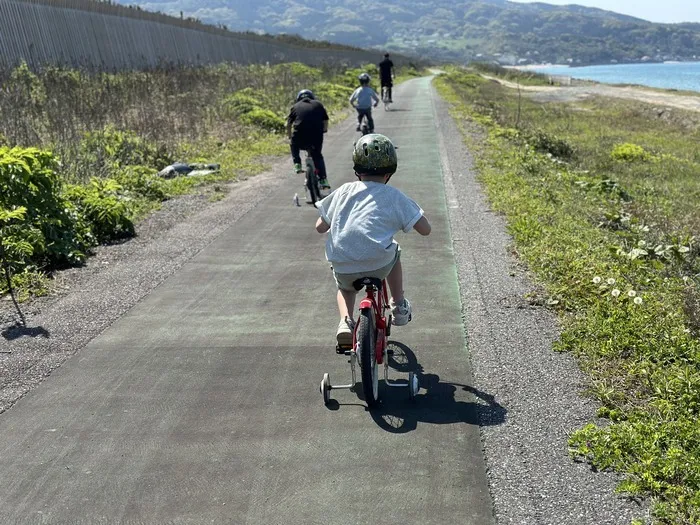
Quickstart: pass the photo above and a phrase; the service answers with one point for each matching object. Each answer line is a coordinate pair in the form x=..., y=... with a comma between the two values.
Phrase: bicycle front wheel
x=366, y=342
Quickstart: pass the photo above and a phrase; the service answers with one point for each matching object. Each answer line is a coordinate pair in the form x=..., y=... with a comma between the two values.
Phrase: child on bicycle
x=306, y=123
x=361, y=100
x=362, y=218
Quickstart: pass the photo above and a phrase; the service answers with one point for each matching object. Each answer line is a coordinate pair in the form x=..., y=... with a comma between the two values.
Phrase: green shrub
x=297, y=71
x=15, y=248
x=466, y=78
x=545, y=143
x=630, y=153
x=242, y=102
x=102, y=152
x=142, y=181
x=332, y=95
x=265, y=119
x=105, y=207
x=28, y=180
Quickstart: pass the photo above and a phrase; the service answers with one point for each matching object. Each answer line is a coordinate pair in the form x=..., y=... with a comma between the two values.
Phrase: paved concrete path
x=201, y=404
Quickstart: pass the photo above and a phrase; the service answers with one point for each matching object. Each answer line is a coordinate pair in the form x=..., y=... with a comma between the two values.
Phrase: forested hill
x=457, y=30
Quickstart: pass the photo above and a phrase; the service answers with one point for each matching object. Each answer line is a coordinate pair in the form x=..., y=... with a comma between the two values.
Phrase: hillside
x=452, y=30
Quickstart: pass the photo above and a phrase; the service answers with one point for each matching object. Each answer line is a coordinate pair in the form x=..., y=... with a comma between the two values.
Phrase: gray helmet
x=305, y=93
x=364, y=79
x=374, y=154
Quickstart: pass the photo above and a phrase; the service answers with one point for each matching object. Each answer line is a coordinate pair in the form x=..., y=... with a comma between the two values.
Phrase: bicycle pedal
x=343, y=350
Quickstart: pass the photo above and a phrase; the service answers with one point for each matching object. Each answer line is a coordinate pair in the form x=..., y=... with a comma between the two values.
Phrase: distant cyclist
x=306, y=124
x=362, y=99
x=386, y=76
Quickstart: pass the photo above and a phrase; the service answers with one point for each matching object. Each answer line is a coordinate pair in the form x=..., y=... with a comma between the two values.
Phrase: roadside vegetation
x=524, y=77
x=80, y=152
x=601, y=198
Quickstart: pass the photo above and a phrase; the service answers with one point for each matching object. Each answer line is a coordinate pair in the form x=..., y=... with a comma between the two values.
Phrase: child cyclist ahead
x=362, y=99
x=362, y=218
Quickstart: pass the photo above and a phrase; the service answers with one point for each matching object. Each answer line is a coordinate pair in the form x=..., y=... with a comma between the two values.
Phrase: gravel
x=533, y=480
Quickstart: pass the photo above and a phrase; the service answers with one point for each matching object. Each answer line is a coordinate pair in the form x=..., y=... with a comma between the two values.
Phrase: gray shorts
x=345, y=280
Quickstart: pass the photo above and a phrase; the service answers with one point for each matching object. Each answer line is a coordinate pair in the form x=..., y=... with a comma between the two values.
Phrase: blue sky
x=654, y=10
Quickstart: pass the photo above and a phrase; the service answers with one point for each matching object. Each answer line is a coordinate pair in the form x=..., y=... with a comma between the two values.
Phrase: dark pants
x=368, y=113
x=386, y=85
x=314, y=150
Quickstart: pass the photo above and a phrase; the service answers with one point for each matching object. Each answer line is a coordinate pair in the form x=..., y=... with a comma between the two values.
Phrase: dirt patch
x=581, y=92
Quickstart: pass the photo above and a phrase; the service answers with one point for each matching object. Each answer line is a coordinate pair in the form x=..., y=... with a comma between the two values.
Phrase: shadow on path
x=436, y=402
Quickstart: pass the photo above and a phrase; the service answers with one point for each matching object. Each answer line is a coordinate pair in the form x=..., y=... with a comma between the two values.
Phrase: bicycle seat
x=360, y=283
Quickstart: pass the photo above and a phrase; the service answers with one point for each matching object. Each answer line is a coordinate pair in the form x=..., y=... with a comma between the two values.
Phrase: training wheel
x=413, y=386
x=326, y=388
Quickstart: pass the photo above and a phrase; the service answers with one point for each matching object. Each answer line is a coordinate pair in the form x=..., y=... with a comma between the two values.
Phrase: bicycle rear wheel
x=366, y=342
x=312, y=183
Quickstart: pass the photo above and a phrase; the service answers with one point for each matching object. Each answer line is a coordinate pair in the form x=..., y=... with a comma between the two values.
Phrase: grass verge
x=601, y=198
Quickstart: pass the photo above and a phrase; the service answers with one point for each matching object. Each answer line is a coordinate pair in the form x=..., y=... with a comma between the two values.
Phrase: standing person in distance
x=306, y=124
x=386, y=76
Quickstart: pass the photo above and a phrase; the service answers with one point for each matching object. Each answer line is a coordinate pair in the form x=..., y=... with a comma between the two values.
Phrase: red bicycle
x=370, y=346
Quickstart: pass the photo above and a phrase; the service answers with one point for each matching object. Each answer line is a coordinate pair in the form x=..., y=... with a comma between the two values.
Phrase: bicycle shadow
x=435, y=403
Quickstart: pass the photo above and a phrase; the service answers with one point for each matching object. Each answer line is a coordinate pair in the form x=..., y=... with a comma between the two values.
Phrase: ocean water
x=683, y=75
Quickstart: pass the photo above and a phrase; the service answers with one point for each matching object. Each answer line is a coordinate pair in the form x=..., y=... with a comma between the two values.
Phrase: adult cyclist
x=306, y=124
x=386, y=76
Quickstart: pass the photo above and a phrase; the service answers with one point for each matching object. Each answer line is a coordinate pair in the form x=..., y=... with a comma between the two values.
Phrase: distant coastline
x=529, y=67
x=673, y=75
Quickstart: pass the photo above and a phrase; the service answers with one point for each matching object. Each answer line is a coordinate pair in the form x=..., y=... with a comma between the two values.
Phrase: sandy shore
x=656, y=97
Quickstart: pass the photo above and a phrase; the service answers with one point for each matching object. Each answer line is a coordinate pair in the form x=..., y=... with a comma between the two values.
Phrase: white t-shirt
x=364, y=216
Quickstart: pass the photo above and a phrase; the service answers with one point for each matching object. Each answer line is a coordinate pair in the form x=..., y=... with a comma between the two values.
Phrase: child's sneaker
x=324, y=184
x=358, y=128
x=344, y=334
x=401, y=313
x=297, y=168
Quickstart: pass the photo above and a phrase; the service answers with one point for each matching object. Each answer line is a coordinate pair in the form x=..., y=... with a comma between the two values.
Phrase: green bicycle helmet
x=374, y=154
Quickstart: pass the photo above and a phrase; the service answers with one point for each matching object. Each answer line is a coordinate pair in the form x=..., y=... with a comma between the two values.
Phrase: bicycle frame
x=378, y=304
